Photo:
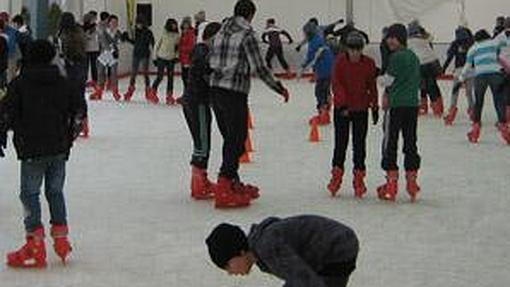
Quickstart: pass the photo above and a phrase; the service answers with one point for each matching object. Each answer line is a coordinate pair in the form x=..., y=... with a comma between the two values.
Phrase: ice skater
x=483, y=56
x=303, y=250
x=166, y=58
x=197, y=111
x=400, y=103
x=458, y=51
x=234, y=54
x=320, y=57
x=505, y=60
x=46, y=112
x=354, y=93
x=186, y=44
x=143, y=43
x=272, y=36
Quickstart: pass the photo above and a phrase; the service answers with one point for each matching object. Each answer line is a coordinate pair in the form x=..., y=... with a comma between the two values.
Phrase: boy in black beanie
x=304, y=250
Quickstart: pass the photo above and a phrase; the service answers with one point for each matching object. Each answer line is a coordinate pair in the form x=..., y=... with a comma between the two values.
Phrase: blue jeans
x=496, y=82
x=53, y=170
x=322, y=92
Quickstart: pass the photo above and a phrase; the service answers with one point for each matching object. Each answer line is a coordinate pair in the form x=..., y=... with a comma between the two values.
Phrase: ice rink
x=133, y=223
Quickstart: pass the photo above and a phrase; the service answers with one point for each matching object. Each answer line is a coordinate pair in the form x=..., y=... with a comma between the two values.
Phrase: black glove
x=298, y=48
x=3, y=143
x=375, y=116
x=115, y=54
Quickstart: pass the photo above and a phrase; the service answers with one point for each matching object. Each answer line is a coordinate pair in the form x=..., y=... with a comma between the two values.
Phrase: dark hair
x=67, y=21
x=482, y=35
x=171, y=25
x=140, y=19
x=93, y=13
x=2, y=24
x=225, y=242
x=314, y=21
x=271, y=21
x=245, y=9
x=104, y=16
x=211, y=30
x=18, y=19
x=40, y=52
x=112, y=17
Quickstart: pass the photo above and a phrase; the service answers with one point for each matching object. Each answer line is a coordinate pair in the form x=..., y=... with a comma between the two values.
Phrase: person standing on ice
x=458, y=50
x=108, y=60
x=505, y=61
x=400, y=103
x=304, y=250
x=46, y=114
x=143, y=43
x=272, y=37
x=186, y=44
x=420, y=43
x=166, y=58
x=483, y=56
x=197, y=111
x=354, y=93
x=234, y=55
x=320, y=57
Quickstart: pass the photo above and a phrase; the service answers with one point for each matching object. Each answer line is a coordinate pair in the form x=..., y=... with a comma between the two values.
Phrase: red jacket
x=186, y=44
x=354, y=84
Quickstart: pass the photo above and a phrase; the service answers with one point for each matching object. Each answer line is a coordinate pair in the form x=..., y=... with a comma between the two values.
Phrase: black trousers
x=397, y=120
x=231, y=112
x=92, y=64
x=185, y=77
x=144, y=62
x=359, y=123
x=163, y=65
x=322, y=92
x=278, y=52
x=198, y=117
x=507, y=90
x=429, y=73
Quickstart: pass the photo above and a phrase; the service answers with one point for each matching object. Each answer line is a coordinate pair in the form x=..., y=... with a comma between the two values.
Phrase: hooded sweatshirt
x=234, y=55
x=297, y=249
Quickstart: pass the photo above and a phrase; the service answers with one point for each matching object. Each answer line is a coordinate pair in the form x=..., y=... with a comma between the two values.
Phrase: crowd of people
x=42, y=99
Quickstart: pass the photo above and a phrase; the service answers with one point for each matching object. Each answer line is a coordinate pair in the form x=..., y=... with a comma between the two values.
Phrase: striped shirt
x=483, y=57
x=234, y=54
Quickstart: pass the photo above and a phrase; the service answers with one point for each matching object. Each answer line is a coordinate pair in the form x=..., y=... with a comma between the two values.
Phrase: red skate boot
x=505, y=133
x=450, y=118
x=424, y=106
x=412, y=185
x=151, y=96
x=226, y=197
x=129, y=94
x=315, y=119
x=324, y=118
x=97, y=95
x=438, y=107
x=61, y=244
x=170, y=100
x=336, y=180
x=359, y=183
x=474, y=134
x=32, y=254
x=201, y=187
x=116, y=95
x=389, y=190
x=250, y=190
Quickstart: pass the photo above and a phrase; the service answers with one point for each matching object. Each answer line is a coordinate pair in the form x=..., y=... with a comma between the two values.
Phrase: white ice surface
x=134, y=224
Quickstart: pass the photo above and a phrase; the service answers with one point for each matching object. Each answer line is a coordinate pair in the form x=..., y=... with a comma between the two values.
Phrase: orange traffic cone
x=250, y=121
x=245, y=158
x=248, y=146
x=314, y=132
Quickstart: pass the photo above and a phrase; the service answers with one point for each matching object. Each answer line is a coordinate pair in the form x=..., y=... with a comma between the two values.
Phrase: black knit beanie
x=225, y=242
x=398, y=31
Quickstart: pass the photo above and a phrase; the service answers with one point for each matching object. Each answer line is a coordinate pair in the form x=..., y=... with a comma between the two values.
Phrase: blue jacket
x=12, y=35
x=323, y=66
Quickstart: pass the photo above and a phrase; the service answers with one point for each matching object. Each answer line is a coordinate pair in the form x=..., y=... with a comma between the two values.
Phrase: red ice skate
x=201, y=187
x=389, y=190
x=97, y=95
x=424, y=106
x=505, y=133
x=252, y=191
x=438, y=107
x=32, y=254
x=129, y=94
x=450, y=118
x=412, y=185
x=474, y=134
x=226, y=197
x=116, y=95
x=170, y=100
x=324, y=118
x=336, y=181
x=151, y=96
x=61, y=243
x=359, y=183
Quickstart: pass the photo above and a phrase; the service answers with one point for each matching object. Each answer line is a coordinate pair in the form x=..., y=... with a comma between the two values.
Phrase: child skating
x=303, y=250
x=400, y=104
x=320, y=57
x=354, y=93
x=458, y=51
x=272, y=36
x=197, y=111
x=46, y=112
x=235, y=53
